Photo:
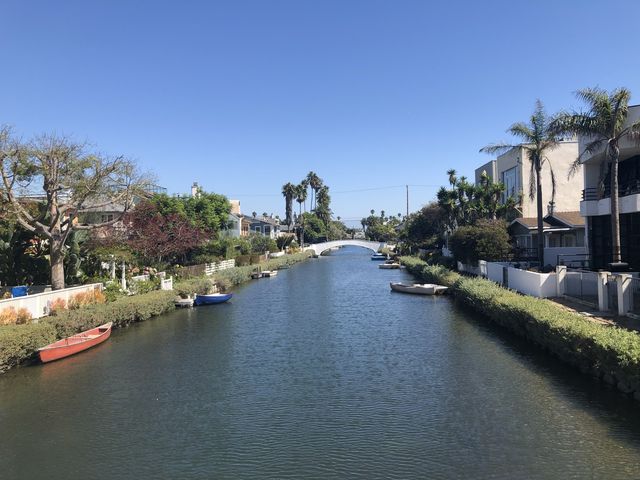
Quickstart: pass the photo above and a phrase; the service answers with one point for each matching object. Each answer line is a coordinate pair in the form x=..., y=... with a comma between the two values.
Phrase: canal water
x=320, y=372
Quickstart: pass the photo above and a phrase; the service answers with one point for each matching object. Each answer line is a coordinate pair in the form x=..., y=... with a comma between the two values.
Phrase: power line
x=333, y=192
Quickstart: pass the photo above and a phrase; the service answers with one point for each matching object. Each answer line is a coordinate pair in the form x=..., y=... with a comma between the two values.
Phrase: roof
x=530, y=222
x=572, y=219
x=557, y=219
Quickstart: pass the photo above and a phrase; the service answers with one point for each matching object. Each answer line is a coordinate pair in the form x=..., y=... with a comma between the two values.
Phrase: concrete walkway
x=605, y=318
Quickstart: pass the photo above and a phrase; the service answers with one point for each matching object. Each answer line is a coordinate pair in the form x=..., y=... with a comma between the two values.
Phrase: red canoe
x=75, y=343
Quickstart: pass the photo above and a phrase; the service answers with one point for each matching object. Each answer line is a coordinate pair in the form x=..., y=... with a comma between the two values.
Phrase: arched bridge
x=318, y=248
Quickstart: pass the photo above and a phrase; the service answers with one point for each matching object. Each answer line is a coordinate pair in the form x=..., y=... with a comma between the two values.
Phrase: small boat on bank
x=418, y=288
x=269, y=273
x=212, y=298
x=378, y=257
x=75, y=343
x=389, y=266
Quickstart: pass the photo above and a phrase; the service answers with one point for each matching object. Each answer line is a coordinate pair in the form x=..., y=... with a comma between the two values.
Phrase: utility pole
x=407, y=200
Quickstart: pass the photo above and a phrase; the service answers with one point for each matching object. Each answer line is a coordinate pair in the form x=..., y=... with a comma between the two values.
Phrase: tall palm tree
x=288, y=192
x=323, y=212
x=539, y=137
x=605, y=125
x=301, y=196
x=315, y=182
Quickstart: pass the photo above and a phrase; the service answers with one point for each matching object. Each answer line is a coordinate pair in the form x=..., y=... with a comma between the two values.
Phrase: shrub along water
x=609, y=353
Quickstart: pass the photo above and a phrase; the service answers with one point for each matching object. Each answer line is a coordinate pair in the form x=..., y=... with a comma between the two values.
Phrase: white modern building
x=596, y=200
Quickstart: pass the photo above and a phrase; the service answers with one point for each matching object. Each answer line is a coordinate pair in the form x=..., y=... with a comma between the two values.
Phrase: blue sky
x=244, y=96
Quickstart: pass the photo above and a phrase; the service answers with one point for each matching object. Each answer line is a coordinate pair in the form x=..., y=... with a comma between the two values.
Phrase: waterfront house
x=513, y=169
x=264, y=225
x=564, y=238
x=596, y=200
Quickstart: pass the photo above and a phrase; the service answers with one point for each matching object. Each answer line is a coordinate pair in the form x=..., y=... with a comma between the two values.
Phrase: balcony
x=597, y=201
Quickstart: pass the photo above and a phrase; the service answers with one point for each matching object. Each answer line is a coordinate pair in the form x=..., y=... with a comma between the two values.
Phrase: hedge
x=607, y=352
x=18, y=343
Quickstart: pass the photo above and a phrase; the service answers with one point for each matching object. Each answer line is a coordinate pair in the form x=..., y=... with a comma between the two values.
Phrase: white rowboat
x=418, y=288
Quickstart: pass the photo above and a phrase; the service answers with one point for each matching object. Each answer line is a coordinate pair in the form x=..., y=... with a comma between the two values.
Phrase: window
x=107, y=218
x=511, y=183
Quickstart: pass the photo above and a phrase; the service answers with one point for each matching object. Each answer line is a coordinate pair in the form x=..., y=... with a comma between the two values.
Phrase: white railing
x=39, y=304
x=166, y=283
x=211, y=268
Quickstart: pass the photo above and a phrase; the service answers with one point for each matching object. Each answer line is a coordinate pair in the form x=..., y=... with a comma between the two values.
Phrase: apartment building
x=596, y=200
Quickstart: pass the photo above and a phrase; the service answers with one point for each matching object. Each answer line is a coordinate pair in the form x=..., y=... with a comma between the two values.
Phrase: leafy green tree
x=604, y=124
x=424, y=229
x=538, y=137
x=486, y=240
x=314, y=229
x=206, y=211
x=323, y=200
x=262, y=244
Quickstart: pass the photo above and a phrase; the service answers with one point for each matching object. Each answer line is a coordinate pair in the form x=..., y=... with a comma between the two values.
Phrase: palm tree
x=605, y=125
x=304, y=184
x=323, y=212
x=301, y=196
x=288, y=191
x=315, y=182
x=452, y=177
x=539, y=137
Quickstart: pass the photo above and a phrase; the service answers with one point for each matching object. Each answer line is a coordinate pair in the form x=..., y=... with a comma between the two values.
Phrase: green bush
x=185, y=288
x=112, y=291
x=610, y=353
x=144, y=286
x=121, y=312
x=18, y=343
x=486, y=240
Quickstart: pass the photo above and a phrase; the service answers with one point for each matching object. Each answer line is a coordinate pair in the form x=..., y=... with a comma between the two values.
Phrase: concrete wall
x=568, y=191
x=495, y=272
x=490, y=168
x=542, y=285
x=551, y=254
x=39, y=304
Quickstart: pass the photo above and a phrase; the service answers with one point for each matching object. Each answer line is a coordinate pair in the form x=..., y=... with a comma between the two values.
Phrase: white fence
x=211, y=268
x=603, y=291
x=166, y=283
x=40, y=303
x=542, y=285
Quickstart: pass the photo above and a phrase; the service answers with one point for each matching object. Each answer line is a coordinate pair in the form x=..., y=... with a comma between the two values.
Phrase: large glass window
x=511, y=183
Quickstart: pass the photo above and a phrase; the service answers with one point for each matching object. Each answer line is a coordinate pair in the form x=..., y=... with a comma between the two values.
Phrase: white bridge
x=318, y=248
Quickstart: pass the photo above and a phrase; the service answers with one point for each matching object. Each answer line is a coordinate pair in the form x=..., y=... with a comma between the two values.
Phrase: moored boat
x=378, y=256
x=418, y=288
x=269, y=273
x=212, y=298
x=389, y=266
x=75, y=343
